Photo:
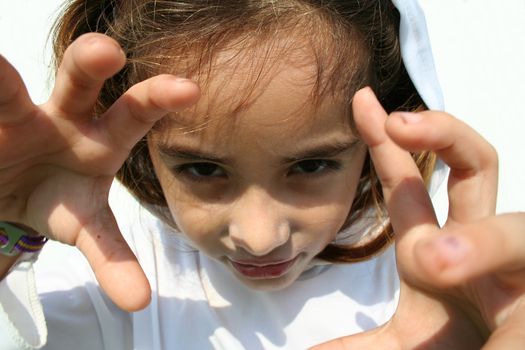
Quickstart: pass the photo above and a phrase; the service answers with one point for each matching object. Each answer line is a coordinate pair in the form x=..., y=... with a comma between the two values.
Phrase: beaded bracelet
x=14, y=240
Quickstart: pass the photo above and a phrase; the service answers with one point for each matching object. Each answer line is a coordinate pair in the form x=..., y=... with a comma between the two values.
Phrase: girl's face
x=265, y=189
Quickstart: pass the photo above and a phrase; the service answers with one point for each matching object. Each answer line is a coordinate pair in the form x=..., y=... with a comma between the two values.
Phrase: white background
x=479, y=48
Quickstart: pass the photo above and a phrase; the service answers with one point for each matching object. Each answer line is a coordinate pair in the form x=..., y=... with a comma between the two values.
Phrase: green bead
x=13, y=236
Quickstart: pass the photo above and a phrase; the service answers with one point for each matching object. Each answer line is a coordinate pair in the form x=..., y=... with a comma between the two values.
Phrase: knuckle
x=11, y=85
x=140, y=109
x=10, y=94
x=491, y=155
x=81, y=81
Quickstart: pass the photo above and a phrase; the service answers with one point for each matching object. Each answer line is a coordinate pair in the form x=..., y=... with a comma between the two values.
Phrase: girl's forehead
x=281, y=94
x=287, y=66
x=280, y=119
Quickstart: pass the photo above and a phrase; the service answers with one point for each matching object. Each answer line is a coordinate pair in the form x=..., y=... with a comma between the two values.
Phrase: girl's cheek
x=199, y=223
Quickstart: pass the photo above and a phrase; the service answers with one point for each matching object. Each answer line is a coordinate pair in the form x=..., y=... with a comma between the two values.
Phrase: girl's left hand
x=462, y=285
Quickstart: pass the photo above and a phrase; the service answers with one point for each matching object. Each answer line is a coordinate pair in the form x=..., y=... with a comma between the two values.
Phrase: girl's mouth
x=258, y=271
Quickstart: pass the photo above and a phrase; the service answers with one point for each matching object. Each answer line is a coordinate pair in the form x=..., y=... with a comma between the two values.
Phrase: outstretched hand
x=462, y=285
x=58, y=160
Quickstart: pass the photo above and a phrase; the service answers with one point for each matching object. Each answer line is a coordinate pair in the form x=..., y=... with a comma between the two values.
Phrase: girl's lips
x=263, y=271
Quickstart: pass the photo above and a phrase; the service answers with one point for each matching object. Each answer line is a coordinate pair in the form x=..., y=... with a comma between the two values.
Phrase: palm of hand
x=462, y=285
x=63, y=186
x=59, y=160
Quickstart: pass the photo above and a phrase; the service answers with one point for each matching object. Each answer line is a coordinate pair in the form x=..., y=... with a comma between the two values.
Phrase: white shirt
x=196, y=302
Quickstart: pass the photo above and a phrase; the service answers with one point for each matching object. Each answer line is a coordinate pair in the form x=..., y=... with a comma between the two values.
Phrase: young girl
x=256, y=170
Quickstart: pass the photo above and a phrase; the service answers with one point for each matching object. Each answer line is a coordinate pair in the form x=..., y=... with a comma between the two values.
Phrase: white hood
x=419, y=62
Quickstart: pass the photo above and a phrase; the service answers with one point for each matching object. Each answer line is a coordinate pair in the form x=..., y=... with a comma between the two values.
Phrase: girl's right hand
x=58, y=160
x=462, y=284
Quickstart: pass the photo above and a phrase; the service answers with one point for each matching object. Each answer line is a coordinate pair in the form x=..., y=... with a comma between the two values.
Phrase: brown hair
x=355, y=43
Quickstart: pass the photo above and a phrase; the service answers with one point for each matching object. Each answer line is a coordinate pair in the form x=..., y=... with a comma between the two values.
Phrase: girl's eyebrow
x=327, y=150
x=188, y=153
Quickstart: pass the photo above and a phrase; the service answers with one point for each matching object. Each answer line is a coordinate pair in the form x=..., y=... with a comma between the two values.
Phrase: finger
x=374, y=339
x=405, y=193
x=79, y=215
x=15, y=103
x=420, y=322
x=473, y=161
x=509, y=335
x=135, y=112
x=494, y=245
x=90, y=60
x=114, y=264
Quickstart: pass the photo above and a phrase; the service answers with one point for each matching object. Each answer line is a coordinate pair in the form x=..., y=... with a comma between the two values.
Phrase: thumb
x=114, y=264
x=372, y=339
x=509, y=335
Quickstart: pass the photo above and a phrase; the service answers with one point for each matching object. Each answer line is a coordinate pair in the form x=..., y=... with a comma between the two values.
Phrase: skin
x=462, y=286
x=467, y=277
x=282, y=179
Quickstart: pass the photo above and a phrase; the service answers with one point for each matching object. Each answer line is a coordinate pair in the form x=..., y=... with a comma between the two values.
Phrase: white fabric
x=196, y=304
x=22, y=324
x=419, y=62
x=417, y=53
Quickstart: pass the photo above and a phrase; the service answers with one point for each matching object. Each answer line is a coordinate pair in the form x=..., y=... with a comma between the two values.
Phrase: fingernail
x=368, y=89
x=96, y=41
x=410, y=118
x=452, y=249
x=180, y=80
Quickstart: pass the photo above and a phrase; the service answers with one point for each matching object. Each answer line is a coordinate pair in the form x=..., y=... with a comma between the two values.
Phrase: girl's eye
x=314, y=167
x=200, y=171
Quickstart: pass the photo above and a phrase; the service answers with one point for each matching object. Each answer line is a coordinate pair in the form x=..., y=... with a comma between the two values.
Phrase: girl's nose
x=258, y=223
